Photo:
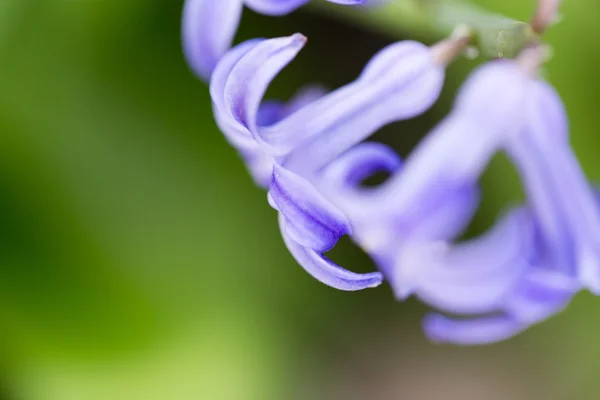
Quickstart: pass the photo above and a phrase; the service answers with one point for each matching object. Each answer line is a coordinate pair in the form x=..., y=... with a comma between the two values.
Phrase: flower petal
x=344, y=175
x=282, y=7
x=486, y=330
x=235, y=133
x=325, y=271
x=275, y=7
x=448, y=217
x=311, y=219
x=257, y=160
x=271, y=112
x=208, y=28
x=471, y=277
x=350, y=2
x=400, y=82
x=563, y=200
x=539, y=296
x=249, y=78
x=487, y=111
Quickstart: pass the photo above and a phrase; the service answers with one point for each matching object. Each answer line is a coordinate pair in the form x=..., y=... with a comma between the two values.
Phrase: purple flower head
x=530, y=264
x=309, y=152
x=563, y=251
x=294, y=144
x=430, y=198
x=209, y=26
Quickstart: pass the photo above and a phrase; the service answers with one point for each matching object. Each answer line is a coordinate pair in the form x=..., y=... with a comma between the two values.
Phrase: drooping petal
x=350, y=2
x=485, y=330
x=564, y=202
x=249, y=79
x=540, y=295
x=341, y=183
x=235, y=133
x=208, y=28
x=311, y=219
x=448, y=217
x=470, y=277
x=555, y=238
x=282, y=7
x=256, y=159
x=324, y=270
x=381, y=235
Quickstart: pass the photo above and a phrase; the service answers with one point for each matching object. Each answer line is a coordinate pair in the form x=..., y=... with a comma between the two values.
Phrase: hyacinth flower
x=565, y=205
x=532, y=262
x=401, y=81
x=408, y=223
x=309, y=153
x=564, y=221
x=209, y=26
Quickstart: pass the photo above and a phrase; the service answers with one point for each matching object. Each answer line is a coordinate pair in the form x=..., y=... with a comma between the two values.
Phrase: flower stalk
x=495, y=36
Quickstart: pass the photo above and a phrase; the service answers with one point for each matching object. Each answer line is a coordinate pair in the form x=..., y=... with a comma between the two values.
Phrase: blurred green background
x=138, y=261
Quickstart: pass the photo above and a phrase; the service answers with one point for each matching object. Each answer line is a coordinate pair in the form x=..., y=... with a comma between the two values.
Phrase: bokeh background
x=138, y=261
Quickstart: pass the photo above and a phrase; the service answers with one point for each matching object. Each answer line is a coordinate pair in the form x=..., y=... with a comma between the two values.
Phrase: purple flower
x=429, y=199
x=309, y=152
x=292, y=148
x=564, y=228
x=530, y=264
x=563, y=202
x=209, y=26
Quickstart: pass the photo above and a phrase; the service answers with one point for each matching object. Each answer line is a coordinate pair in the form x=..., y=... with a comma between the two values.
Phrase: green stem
x=431, y=20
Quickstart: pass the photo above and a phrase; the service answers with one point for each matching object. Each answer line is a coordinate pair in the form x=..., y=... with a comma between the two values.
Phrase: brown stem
x=531, y=58
x=545, y=14
x=448, y=49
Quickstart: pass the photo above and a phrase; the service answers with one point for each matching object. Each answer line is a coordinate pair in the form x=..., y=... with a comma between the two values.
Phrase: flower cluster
x=310, y=154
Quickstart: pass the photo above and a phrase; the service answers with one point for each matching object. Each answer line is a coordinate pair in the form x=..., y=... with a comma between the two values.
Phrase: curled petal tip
x=481, y=331
x=312, y=220
x=349, y=2
x=435, y=326
x=299, y=38
x=248, y=79
x=326, y=271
